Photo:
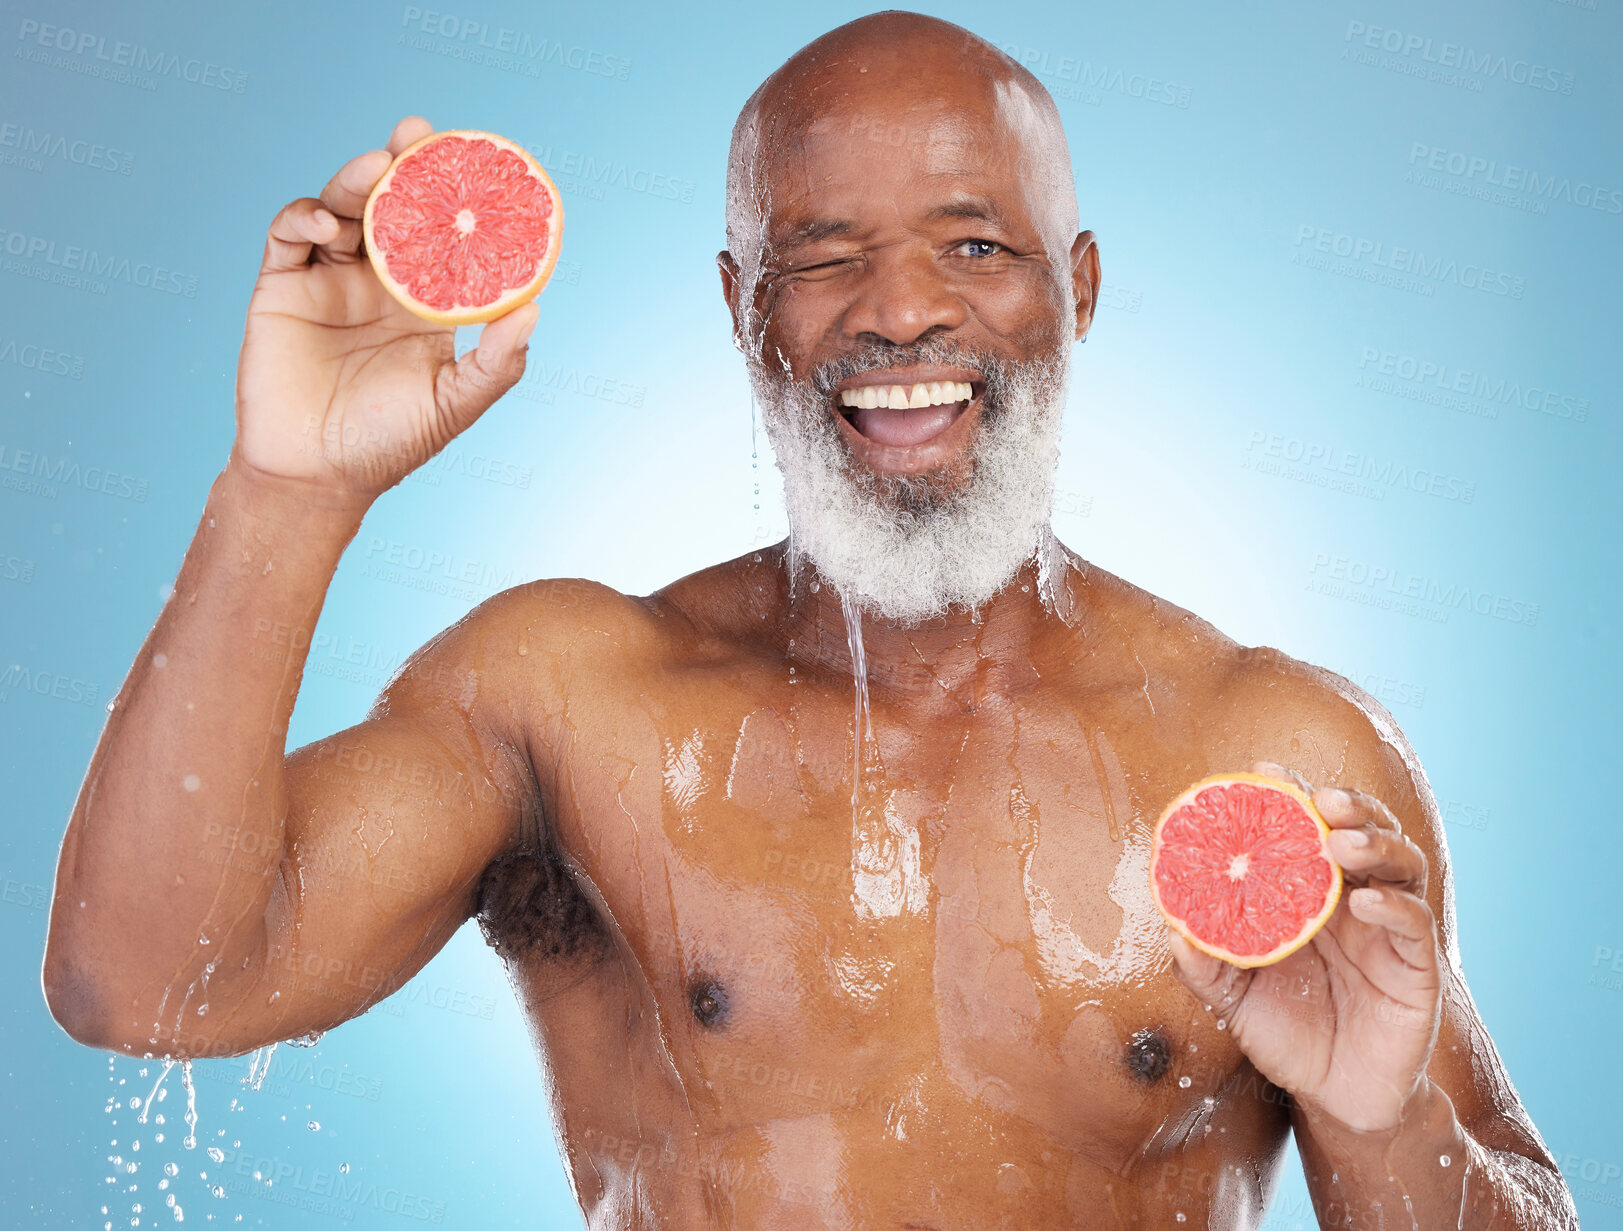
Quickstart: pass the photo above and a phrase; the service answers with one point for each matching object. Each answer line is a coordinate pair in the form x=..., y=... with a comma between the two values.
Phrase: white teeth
x=937, y=393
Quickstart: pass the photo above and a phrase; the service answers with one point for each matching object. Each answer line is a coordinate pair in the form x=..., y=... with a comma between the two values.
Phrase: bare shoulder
x=1333, y=733
x=504, y=658
x=1316, y=720
x=1260, y=703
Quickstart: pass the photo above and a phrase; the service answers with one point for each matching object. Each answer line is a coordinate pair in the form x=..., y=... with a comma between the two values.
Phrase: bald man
x=821, y=873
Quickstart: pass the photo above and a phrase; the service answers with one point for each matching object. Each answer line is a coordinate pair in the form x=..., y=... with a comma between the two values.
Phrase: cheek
x=798, y=316
x=1030, y=312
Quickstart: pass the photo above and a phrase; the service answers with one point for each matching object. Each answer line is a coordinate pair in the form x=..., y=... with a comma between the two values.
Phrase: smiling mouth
x=902, y=416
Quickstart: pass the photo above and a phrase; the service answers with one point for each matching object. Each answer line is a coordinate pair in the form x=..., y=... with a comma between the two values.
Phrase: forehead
x=879, y=140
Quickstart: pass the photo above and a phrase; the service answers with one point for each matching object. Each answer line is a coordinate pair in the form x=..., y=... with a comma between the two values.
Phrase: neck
x=948, y=661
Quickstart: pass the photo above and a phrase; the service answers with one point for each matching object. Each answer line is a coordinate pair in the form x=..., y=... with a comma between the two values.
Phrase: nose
x=901, y=298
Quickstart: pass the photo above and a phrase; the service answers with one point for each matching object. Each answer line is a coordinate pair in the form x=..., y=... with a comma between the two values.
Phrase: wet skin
x=947, y=1002
x=953, y=1009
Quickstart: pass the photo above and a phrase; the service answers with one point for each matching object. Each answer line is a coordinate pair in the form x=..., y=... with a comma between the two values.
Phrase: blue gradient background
x=630, y=460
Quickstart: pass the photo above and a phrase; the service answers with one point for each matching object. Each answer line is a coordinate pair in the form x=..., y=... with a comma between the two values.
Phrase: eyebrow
x=815, y=229
x=977, y=208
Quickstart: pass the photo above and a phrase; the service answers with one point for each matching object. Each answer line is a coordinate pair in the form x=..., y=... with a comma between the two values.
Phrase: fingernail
x=524, y=333
x=1335, y=797
x=1355, y=837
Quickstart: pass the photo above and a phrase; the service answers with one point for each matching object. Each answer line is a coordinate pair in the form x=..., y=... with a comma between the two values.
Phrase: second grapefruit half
x=1240, y=865
x=464, y=227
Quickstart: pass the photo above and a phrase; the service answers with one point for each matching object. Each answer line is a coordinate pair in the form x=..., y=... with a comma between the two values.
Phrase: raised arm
x=212, y=893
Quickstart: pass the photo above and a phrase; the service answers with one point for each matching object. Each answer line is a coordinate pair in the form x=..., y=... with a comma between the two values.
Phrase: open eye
x=979, y=247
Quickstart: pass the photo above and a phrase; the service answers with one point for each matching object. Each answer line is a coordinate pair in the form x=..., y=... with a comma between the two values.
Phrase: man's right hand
x=339, y=387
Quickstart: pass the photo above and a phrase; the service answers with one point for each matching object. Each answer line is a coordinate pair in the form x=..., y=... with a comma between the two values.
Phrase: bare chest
x=918, y=922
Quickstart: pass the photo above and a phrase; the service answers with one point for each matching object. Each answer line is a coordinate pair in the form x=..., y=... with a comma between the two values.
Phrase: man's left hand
x=1347, y=1023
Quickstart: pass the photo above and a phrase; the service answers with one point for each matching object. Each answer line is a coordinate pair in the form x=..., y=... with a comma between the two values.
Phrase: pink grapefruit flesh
x=1240, y=865
x=464, y=227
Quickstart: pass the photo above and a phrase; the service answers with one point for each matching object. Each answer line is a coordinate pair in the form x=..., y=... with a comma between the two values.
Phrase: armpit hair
x=530, y=906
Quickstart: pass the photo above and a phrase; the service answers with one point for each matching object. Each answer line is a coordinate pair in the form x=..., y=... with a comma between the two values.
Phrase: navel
x=1149, y=1055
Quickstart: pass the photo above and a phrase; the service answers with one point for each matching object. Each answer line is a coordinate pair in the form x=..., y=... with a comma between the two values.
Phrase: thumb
x=1218, y=984
x=473, y=384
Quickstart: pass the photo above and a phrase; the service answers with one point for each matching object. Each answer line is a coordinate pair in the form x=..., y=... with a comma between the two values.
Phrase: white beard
x=904, y=547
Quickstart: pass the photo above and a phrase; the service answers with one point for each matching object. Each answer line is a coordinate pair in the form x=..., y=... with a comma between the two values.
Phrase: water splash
x=1053, y=588
x=153, y=1096
x=190, y=1140
x=258, y=1068
x=863, y=731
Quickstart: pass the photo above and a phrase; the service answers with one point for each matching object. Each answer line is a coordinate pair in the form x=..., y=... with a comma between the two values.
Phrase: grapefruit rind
x=510, y=299
x=1309, y=929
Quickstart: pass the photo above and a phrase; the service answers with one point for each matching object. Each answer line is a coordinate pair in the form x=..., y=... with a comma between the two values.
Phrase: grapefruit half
x=1240, y=864
x=464, y=227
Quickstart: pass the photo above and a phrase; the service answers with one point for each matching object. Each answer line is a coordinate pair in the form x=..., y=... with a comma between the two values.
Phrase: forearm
x=1430, y=1172
x=170, y=854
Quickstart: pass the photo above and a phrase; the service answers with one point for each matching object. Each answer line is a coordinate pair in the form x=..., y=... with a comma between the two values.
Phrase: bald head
x=901, y=78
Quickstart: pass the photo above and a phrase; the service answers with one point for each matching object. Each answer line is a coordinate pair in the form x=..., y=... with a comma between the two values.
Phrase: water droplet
x=1184, y=1083
x=217, y=1154
x=314, y=1126
x=1445, y=1160
x=1221, y=1024
x=343, y=1168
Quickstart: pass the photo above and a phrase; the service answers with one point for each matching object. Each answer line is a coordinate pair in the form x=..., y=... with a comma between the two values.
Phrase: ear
x=1085, y=280
x=729, y=285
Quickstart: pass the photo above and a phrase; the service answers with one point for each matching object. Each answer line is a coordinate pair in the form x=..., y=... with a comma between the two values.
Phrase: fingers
x=1369, y=854
x=1219, y=985
x=1273, y=769
x=1407, y=921
x=409, y=131
x=346, y=192
x=294, y=231
x=468, y=389
x=1367, y=840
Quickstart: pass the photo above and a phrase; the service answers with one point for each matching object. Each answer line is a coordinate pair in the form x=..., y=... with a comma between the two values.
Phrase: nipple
x=1149, y=1055
x=708, y=1000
